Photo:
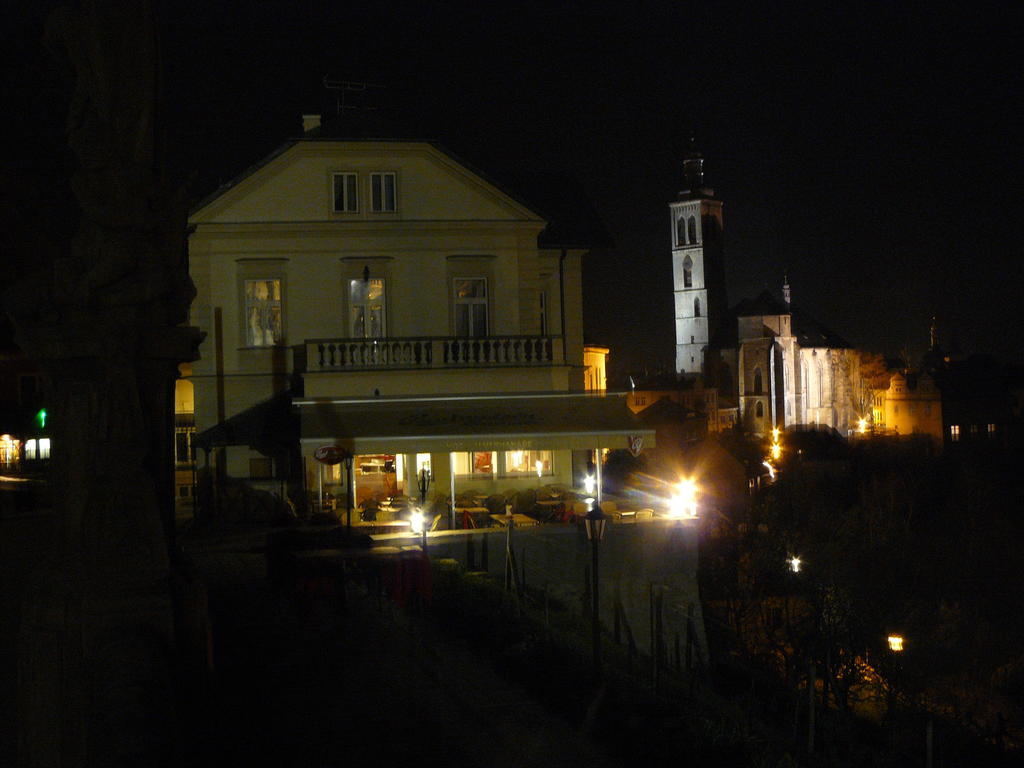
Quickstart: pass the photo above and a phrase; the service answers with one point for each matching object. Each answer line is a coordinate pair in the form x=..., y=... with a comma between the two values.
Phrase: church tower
x=698, y=271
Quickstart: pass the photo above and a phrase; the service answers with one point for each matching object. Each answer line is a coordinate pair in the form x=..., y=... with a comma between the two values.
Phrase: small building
x=913, y=405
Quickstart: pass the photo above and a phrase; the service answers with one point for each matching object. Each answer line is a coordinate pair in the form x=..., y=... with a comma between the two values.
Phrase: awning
x=482, y=423
x=269, y=427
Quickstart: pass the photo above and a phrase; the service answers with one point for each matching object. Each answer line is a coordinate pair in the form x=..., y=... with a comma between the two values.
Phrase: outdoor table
x=376, y=527
x=520, y=520
x=471, y=516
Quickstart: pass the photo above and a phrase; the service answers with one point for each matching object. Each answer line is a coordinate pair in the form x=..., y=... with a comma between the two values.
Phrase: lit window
x=366, y=308
x=954, y=432
x=525, y=462
x=991, y=429
x=345, y=198
x=382, y=192
x=974, y=429
x=263, y=321
x=422, y=462
x=470, y=306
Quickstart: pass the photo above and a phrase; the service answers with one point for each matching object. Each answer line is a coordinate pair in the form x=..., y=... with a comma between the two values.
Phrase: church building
x=773, y=365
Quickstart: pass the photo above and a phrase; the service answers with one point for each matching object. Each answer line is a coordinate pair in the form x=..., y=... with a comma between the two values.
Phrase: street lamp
x=794, y=564
x=595, y=521
x=862, y=425
x=418, y=525
x=684, y=504
x=895, y=643
x=588, y=485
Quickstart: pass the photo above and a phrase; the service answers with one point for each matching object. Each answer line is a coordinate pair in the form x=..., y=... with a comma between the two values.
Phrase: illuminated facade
x=912, y=405
x=697, y=267
x=415, y=312
x=771, y=364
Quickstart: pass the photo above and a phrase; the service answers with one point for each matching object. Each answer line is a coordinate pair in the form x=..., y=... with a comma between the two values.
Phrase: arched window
x=692, y=227
x=696, y=307
x=758, y=386
x=687, y=272
x=681, y=231
x=759, y=410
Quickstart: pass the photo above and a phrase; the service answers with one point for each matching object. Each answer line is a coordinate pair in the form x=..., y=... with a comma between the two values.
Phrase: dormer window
x=346, y=199
x=382, y=193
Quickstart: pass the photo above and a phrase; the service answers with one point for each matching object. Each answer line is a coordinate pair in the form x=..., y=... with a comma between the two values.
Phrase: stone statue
x=106, y=323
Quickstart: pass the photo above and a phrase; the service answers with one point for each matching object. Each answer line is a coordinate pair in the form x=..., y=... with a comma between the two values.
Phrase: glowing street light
x=775, y=434
x=776, y=451
x=895, y=643
x=862, y=425
x=794, y=564
x=418, y=525
x=684, y=503
x=588, y=485
x=539, y=466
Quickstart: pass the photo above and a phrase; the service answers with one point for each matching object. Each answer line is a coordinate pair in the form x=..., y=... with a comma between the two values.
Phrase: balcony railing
x=431, y=352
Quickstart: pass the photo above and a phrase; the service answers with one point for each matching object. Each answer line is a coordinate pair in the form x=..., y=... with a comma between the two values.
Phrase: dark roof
x=762, y=304
x=666, y=410
x=555, y=197
x=808, y=331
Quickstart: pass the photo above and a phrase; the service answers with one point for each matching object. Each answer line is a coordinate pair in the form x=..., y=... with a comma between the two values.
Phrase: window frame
x=350, y=319
x=280, y=338
x=345, y=189
x=383, y=175
x=458, y=301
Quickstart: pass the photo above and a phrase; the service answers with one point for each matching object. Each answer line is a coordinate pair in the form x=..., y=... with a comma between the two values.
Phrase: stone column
x=106, y=321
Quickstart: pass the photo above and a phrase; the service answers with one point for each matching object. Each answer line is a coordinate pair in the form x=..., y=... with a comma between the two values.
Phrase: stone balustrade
x=431, y=352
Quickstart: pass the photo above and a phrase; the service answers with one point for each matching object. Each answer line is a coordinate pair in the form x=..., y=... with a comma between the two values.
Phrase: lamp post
x=895, y=642
x=595, y=521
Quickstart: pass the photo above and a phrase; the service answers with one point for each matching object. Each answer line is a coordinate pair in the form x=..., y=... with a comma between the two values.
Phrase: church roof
x=762, y=304
x=808, y=331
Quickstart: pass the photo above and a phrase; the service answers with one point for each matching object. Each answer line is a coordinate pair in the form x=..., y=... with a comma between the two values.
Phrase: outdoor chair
x=525, y=502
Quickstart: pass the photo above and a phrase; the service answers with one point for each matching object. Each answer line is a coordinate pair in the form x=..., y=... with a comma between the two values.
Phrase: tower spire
x=693, y=166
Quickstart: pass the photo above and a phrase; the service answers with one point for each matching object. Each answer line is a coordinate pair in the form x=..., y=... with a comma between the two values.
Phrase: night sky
x=871, y=152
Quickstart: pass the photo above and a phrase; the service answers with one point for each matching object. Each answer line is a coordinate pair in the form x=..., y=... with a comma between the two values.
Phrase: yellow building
x=595, y=368
x=912, y=405
x=415, y=313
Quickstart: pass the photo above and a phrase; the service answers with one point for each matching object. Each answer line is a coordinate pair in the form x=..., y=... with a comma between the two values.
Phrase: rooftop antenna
x=349, y=94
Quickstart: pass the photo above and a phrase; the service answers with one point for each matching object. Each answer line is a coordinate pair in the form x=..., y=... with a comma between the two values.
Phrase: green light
x=41, y=418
